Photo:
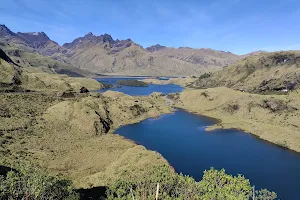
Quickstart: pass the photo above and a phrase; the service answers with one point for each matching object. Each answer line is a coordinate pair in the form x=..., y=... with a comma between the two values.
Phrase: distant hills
x=276, y=72
x=104, y=55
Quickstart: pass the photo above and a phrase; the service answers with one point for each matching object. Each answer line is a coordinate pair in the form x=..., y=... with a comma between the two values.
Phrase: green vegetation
x=132, y=83
x=106, y=85
x=205, y=75
x=29, y=59
x=29, y=182
x=214, y=185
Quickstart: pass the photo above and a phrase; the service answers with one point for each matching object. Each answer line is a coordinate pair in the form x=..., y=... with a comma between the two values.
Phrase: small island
x=132, y=83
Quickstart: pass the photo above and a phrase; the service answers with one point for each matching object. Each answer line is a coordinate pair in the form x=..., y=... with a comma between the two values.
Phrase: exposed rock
x=155, y=48
x=276, y=105
x=84, y=90
x=35, y=39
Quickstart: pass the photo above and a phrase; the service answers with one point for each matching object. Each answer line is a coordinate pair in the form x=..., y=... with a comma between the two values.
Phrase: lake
x=140, y=91
x=181, y=138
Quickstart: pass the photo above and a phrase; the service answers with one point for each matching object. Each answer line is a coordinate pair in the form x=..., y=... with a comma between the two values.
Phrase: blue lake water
x=140, y=91
x=181, y=138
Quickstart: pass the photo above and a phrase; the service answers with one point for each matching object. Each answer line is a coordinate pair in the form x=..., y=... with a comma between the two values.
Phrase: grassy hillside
x=16, y=77
x=274, y=118
x=27, y=57
x=70, y=136
x=275, y=72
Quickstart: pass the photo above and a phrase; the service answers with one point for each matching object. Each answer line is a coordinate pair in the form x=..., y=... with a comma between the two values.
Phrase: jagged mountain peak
x=34, y=39
x=90, y=39
x=4, y=31
x=108, y=38
x=103, y=54
x=89, y=34
x=155, y=48
x=40, y=35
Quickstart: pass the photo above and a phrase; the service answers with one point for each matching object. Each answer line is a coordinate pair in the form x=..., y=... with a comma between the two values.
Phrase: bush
x=219, y=185
x=214, y=185
x=31, y=183
x=203, y=76
x=231, y=108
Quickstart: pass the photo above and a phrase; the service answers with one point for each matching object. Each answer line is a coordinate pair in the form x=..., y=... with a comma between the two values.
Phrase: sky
x=238, y=26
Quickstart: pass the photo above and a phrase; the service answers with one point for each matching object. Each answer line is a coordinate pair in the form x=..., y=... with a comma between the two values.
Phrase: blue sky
x=239, y=26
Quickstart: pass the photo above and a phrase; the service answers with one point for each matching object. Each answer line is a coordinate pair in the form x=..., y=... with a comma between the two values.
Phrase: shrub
x=205, y=75
x=231, y=108
x=215, y=185
x=29, y=182
x=219, y=185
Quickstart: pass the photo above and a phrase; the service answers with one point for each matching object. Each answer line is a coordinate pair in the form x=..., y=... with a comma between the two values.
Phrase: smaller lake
x=181, y=139
x=139, y=91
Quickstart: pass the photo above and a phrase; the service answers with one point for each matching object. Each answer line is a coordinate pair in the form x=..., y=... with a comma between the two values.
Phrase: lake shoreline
x=262, y=128
x=182, y=138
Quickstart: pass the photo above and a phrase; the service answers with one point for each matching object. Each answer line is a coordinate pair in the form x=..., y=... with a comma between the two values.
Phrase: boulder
x=84, y=90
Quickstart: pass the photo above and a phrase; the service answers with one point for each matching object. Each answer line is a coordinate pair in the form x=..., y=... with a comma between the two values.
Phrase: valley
x=60, y=113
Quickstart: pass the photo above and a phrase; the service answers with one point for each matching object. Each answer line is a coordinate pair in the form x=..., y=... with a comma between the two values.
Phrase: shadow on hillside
x=95, y=193
x=4, y=170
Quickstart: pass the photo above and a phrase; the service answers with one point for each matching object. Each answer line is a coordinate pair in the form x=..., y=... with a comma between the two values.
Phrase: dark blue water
x=181, y=138
x=140, y=91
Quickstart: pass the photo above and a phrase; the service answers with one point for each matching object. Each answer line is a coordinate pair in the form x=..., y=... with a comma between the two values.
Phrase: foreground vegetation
x=29, y=182
x=215, y=185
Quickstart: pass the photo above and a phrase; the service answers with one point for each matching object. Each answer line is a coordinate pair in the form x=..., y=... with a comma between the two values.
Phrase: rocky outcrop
x=35, y=39
x=155, y=48
x=84, y=90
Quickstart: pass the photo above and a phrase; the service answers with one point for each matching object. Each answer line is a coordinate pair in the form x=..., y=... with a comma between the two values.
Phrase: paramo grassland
x=259, y=94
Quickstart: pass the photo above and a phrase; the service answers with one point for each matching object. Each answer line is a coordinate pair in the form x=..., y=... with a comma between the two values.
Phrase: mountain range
x=102, y=54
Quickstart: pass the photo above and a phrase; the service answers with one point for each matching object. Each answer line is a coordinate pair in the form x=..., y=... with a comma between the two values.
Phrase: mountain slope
x=14, y=77
x=38, y=51
x=266, y=72
x=102, y=54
